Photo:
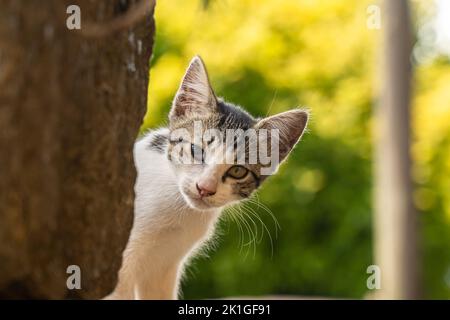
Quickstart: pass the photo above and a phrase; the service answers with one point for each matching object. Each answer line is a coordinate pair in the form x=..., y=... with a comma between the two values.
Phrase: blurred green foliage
x=270, y=56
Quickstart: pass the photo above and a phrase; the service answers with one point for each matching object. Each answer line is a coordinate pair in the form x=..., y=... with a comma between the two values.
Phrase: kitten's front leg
x=145, y=275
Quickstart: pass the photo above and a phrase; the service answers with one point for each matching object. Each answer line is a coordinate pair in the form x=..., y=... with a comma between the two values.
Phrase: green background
x=271, y=56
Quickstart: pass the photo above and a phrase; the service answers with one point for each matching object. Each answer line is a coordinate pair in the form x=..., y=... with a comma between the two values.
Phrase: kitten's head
x=220, y=154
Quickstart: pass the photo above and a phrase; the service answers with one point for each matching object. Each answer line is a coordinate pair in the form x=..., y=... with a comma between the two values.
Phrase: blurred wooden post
x=396, y=250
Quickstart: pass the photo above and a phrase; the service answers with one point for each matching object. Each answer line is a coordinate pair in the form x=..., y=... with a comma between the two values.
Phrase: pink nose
x=205, y=190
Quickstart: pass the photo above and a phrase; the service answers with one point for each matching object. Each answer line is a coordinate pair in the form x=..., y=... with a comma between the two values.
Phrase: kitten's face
x=219, y=153
x=205, y=178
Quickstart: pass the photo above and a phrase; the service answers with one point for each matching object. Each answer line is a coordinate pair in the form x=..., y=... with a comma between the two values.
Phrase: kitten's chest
x=197, y=226
x=161, y=214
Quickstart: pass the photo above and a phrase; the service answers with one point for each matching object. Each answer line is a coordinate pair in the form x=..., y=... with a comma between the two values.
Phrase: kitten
x=183, y=182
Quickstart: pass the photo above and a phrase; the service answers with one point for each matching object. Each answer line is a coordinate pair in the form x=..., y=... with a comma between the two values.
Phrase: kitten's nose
x=205, y=190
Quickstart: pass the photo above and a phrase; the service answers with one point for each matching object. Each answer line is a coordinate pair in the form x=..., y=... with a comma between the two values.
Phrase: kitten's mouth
x=199, y=203
x=196, y=202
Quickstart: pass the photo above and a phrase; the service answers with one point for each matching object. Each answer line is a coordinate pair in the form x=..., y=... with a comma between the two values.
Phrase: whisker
x=255, y=235
x=267, y=210
x=241, y=217
x=249, y=230
x=273, y=100
x=263, y=225
x=249, y=209
x=233, y=213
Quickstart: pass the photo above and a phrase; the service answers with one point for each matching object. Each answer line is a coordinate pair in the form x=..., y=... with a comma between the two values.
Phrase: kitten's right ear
x=291, y=125
x=195, y=95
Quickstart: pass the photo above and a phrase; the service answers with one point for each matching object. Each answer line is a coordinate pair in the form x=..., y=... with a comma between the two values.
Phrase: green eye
x=237, y=172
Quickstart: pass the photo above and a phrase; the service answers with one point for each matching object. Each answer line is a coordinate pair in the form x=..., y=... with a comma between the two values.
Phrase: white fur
x=166, y=231
x=172, y=217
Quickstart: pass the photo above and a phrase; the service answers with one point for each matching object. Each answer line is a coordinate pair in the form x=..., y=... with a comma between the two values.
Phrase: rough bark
x=70, y=110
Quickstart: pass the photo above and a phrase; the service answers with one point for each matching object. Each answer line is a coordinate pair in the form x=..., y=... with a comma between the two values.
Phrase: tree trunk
x=70, y=109
x=396, y=234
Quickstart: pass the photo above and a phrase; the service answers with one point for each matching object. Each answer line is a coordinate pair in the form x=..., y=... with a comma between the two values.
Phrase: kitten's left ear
x=195, y=95
x=291, y=125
